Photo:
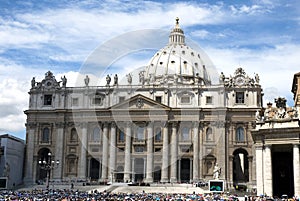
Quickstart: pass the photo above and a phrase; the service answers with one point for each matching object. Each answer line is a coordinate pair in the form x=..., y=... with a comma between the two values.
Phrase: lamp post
x=48, y=165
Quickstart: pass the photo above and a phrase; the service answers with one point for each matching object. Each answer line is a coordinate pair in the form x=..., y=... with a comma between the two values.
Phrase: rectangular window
x=75, y=102
x=158, y=99
x=185, y=100
x=47, y=99
x=121, y=99
x=157, y=150
x=209, y=99
x=239, y=97
x=97, y=101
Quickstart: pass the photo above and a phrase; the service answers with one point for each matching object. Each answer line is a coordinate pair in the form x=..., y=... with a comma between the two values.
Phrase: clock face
x=239, y=81
x=48, y=84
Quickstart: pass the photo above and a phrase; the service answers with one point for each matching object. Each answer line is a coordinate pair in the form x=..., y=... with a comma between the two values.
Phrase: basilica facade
x=174, y=125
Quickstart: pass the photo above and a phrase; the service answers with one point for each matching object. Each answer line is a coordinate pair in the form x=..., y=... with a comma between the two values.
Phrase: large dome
x=177, y=63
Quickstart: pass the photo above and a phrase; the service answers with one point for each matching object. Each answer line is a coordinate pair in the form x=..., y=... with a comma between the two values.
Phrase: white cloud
x=276, y=66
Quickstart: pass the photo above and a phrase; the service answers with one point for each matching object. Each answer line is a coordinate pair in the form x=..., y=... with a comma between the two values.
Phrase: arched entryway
x=240, y=166
x=94, y=169
x=42, y=156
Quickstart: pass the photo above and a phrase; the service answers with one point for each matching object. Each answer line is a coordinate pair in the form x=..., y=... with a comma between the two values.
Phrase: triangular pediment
x=139, y=102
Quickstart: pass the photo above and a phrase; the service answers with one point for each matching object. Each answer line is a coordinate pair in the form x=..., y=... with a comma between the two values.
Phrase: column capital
x=195, y=124
x=105, y=124
x=150, y=124
x=113, y=124
x=175, y=124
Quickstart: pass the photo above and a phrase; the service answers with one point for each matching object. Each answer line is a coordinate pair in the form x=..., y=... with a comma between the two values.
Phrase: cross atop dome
x=177, y=35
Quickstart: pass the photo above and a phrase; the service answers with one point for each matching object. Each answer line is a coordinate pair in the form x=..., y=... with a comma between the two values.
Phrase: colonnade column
x=268, y=171
x=149, y=170
x=83, y=152
x=165, y=156
x=112, y=151
x=174, y=153
x=296, y=169
x=196, y=152
x=104, y=152
x=259, y=170
x=127, y=166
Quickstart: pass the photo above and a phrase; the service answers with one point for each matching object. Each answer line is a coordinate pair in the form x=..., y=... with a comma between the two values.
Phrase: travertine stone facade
x=173, y=125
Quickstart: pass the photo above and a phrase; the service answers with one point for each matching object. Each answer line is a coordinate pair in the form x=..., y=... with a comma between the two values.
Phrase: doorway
x=94, y=169
x=139, y=169
x=283, y=177
x=185, y=166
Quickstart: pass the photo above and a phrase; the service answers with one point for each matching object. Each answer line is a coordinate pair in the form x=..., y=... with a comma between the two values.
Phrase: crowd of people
x=70, y=195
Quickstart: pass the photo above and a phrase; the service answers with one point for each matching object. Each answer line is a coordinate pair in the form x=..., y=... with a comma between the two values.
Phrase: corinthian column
x=174, y=154
x=127, y=166
x=82, y=164
x=112, y=151
x=196, y=152
x=104, y=152
x=149, y=172
x=165, y=156
x=268, y=171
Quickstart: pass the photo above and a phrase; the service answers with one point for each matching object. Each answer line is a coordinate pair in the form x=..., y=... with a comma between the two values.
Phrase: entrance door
x=185, y=170
x=94, y=169
x=139, y=169
x=283, y=177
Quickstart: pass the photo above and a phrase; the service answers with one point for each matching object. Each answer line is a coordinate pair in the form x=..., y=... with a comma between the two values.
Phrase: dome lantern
x=177, y=35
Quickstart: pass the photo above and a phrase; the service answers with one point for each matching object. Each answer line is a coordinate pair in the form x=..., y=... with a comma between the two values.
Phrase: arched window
x=46, y=135
x=158, y=135
x=185, y=134
x=140, y=133
x=96, y=135
x=240, y=136
x=73, y=136
x=209, y=134
x=121, y=136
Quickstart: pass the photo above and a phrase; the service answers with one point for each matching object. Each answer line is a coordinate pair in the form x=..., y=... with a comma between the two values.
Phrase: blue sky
x=261, y=36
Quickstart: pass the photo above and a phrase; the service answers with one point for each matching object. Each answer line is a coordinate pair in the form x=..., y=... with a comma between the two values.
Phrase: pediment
x=139, y=102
